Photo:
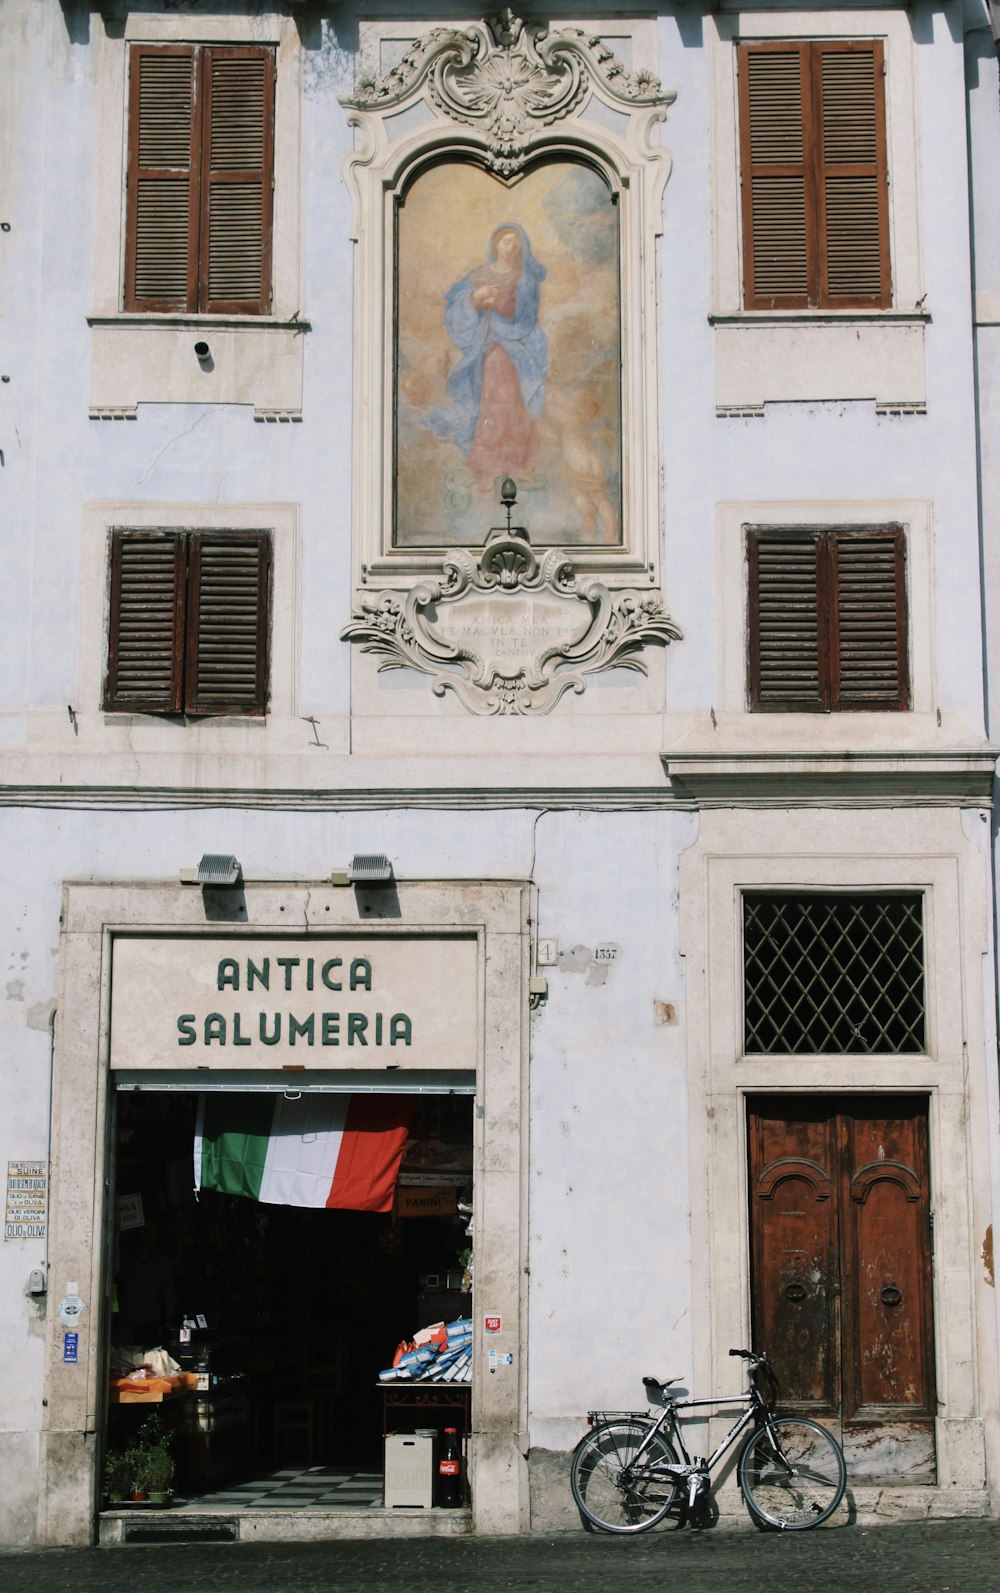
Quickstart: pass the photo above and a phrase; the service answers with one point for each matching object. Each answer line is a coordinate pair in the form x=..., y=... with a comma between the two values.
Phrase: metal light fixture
x=218, y=868
x=369, y=868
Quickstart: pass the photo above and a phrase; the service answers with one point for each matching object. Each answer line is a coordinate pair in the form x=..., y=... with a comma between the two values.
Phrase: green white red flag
x=311, y=1150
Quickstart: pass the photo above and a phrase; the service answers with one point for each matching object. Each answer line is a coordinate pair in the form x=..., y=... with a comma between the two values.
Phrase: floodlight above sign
x=218, y=868
x=369, y=868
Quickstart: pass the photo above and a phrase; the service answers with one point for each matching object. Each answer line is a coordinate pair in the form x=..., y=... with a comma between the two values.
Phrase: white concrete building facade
x=678, y=747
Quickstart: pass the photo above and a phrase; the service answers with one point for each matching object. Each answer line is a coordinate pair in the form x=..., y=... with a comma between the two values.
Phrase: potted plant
x=153, y=1464
x=159, y=1471
x=135, y=1463
x=117, y=1483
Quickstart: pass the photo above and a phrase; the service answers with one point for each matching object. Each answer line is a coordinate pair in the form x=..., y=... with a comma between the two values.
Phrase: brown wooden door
x=840, y=1255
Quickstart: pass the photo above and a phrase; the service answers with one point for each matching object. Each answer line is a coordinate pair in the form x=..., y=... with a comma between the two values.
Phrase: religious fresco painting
x=508, y=356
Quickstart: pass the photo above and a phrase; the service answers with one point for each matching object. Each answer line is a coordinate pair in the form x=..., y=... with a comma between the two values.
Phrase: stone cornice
x=834, y=779
x=694, y=780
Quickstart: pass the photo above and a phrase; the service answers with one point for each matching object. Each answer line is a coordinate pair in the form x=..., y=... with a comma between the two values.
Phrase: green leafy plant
x=135, y=1461
x=117, y=1482
x=159, y=1467
x=150, y=1463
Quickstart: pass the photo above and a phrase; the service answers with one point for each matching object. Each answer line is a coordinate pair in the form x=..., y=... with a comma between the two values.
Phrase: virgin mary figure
x=497, y=388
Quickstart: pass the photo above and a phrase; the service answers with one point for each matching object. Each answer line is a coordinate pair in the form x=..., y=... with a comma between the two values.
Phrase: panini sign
x=363, y=1002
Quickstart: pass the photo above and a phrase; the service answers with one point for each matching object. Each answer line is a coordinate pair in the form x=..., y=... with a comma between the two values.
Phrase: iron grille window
x=841, y=974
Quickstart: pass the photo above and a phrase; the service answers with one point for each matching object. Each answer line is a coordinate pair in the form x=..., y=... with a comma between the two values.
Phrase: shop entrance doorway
x=282, y=1316
x=841, y=1265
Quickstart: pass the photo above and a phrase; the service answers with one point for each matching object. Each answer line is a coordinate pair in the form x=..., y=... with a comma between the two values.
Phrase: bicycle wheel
x=798, y=1483
x=612, y=1490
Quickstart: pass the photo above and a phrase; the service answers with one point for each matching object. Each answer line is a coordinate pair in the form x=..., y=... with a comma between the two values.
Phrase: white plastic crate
x=409, y=1471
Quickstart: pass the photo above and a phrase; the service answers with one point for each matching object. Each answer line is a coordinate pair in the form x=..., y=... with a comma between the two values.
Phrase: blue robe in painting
x=475, y=331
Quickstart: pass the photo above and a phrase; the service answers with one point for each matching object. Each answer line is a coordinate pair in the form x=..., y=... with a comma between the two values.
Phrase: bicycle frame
x=634, y=1466
x=694, y=1471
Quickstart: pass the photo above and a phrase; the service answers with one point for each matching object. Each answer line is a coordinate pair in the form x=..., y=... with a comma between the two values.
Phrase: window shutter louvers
x=145, y=658
x=777, y=197
x=163, y=197
x=869, y=663
x=827, y=620
x=853, y=197
x=201, y=158
x=785, y=585
x=227, y=625
x=237, y=199
x=813, y=161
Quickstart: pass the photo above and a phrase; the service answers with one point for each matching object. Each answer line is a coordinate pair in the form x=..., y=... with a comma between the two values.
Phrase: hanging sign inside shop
x=26, y=1210
x=366, y=1002
x=130, y=1212
x=426, y=1202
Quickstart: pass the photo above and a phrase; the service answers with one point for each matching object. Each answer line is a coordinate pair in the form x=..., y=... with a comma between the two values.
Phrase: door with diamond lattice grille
x=841, y=1271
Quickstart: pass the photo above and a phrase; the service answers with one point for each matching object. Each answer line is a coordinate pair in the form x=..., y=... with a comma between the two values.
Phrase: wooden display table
x=429, y=1404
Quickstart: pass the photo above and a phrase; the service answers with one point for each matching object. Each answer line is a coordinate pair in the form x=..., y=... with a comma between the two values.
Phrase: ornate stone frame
x=504, y=94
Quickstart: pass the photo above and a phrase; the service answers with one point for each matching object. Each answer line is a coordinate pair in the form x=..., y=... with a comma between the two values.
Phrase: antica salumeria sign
x=321, y=1003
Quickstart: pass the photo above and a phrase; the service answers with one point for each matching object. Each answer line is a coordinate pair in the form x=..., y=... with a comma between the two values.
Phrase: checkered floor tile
x=315, y=1488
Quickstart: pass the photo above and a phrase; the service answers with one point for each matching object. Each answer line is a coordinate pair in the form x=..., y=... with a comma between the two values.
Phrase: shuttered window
x=188, y=622
x=200, y=170
x=813, y=168
x=827, y=619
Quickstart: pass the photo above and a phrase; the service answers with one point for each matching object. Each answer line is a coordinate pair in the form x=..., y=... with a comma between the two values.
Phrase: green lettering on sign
x=295, y=1028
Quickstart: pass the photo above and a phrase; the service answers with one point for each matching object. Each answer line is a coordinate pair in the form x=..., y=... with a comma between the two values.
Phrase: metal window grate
x=842, y=974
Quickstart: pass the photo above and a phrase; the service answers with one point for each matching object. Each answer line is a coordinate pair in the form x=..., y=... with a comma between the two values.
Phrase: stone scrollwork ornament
x=507, y=79
x=511, y=633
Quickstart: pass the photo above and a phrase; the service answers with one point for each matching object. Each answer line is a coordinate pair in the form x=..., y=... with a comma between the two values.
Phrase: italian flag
x=313, y=1150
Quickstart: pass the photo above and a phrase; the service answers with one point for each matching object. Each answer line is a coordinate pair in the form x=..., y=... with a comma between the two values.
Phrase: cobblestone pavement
x=938, y=1557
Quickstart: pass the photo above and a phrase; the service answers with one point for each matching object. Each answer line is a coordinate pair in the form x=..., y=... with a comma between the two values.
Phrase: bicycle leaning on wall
x=631, y=1468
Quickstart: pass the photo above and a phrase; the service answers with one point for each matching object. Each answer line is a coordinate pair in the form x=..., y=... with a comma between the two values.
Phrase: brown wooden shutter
x=869, y=666
x=851, y=188
x=237, y=157
x=200, y=178
x=777, y=167
x=228, y=599
x=145, y=640
x=814, y=175
x=162, y=229
x=788, y=664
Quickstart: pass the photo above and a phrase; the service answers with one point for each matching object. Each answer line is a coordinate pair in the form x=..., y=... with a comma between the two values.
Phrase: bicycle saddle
x=659, y=1382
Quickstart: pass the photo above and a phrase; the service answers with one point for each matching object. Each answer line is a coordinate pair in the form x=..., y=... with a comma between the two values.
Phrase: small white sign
x=70, y=1307
x=26, y=1212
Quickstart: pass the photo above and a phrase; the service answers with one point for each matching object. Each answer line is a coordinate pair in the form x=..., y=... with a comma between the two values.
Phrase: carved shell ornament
x=506, y=80
x=511, y=633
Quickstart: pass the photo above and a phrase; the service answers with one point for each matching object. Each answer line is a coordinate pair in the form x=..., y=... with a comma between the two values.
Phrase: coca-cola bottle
x=449, y=1488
